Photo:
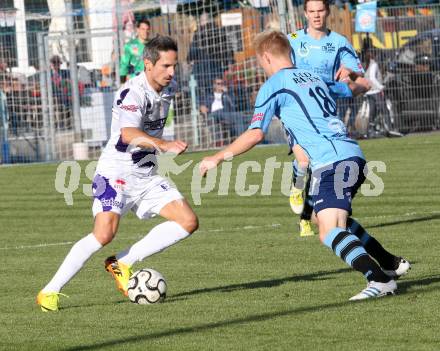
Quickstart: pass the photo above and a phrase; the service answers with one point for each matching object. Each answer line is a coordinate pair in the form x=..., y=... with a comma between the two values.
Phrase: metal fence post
x=194, y=111
x=282, y=13
x=119, y=47
x=73, y=73
x=4, y=122
x=50, y=100
x=43, y=95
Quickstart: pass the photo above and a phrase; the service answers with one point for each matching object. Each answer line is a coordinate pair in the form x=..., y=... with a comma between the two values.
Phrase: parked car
x=412, y=84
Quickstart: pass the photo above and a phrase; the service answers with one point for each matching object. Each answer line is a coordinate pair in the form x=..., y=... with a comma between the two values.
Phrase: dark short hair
x=55, y=59
x=160, y=43
x=145, y=21
x=326, y=4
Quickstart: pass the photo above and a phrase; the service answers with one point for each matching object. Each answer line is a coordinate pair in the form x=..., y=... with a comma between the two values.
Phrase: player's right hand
x=208, y=163
x=175, y=147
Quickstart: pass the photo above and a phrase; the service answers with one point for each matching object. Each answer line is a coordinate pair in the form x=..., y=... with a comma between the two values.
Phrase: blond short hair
x=272, y=41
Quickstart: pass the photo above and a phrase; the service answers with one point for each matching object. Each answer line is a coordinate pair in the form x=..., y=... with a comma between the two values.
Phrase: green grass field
x=244, y=281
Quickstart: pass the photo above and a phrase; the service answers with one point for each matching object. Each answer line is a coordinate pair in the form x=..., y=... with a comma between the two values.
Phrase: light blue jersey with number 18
x=303, y=103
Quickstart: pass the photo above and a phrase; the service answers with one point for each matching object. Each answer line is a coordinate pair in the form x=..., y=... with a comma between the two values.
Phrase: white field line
x=247, y=227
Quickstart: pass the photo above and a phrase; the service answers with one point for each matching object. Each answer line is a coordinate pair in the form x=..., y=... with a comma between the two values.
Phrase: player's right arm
x=243, y=143
x=265, y=107
x=138, y=138
x=129, y=105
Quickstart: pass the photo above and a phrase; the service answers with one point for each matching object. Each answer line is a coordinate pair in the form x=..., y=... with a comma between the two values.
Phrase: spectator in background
x=367, y=45
x=209, y=54
x=375, y=95
x=60, y=81
x=5, y=77
x=220, y=109
x=106, y=81
x=131, y=61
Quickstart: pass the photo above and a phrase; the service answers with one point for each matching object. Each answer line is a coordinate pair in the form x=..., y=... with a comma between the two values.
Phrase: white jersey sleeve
x=129, y=106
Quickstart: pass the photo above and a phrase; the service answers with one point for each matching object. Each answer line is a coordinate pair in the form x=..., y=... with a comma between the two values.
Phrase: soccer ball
x=147, y=286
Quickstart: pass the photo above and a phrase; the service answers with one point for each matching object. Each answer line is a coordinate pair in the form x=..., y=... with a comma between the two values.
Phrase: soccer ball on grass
x=147, y=286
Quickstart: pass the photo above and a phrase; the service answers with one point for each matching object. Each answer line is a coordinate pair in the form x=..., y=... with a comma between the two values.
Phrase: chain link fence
x=55, y=101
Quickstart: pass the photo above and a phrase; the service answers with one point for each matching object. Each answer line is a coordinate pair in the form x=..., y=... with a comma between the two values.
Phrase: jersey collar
x=148, y=87
x=328, y=31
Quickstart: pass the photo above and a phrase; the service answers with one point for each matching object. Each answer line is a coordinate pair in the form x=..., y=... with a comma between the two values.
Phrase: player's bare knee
x=105, y=229
x=323, y=231
x=190, y=223
x=104, y=236
x=303, y=164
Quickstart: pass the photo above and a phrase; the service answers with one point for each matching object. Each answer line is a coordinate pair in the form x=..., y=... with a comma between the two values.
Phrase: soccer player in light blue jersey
x=320, y=50
x=303, y=103
x=331, y=56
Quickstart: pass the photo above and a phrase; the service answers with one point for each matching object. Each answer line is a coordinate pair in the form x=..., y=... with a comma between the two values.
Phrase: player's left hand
x=175, y=147
x=208, y=163
x=343, y=74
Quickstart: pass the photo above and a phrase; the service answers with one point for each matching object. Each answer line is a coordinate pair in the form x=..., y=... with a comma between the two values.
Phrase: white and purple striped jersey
x=136, y=104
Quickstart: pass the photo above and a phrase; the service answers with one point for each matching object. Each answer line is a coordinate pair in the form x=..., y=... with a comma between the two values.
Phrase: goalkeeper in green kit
x=131, y=61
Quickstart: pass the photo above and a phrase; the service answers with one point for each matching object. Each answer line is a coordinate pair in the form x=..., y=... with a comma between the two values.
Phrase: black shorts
x=335, y=185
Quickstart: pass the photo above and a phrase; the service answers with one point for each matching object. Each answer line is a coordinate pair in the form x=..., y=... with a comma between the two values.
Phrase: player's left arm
x=348, y=88
x=351, y=66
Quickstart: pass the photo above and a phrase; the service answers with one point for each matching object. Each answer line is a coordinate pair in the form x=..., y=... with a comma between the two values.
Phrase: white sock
x=74, y=261
x=157, y=240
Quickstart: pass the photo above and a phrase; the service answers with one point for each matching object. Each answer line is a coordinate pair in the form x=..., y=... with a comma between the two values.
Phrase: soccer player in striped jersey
x=331, y=56
x=303, y=103
x=126, y=179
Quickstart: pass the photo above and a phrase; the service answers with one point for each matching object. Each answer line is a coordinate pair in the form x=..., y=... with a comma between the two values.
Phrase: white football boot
x=376, y=289
x=402, y=269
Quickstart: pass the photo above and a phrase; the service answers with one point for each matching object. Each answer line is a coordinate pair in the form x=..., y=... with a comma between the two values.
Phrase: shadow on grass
x=261, y=283
x=95, y=304
x=412, y=220
x=404, y=286
x=229, y=288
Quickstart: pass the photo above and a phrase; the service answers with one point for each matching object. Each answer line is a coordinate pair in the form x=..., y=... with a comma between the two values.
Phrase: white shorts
x=144, y=196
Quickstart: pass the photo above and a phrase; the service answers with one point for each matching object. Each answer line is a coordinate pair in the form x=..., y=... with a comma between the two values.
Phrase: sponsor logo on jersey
x=328, y=47
x=131, y=108
x=122, y=96
x=165, y=186
x=154, y=125
x=135, y=49
x=112, y=203
x=293, y=35
x=257, y=117
x=303, y=50
x=119, y=184
x=304, y=77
